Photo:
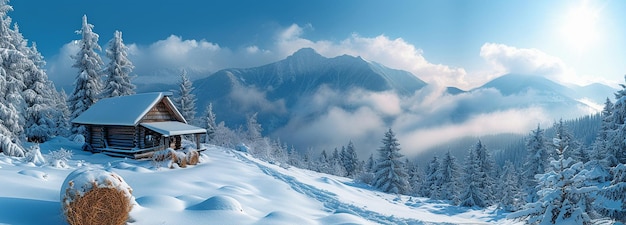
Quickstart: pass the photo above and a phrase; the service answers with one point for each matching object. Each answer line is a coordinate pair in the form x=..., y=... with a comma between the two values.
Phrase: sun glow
x=580, y=29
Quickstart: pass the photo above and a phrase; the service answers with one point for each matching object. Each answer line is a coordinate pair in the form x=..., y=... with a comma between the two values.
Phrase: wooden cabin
x=135, y=125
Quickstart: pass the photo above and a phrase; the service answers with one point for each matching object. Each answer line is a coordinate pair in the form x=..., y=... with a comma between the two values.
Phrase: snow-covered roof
x=170, y=128
x=124, y=110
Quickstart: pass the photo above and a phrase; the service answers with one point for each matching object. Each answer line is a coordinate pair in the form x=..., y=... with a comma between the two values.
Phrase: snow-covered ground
x=227, y=187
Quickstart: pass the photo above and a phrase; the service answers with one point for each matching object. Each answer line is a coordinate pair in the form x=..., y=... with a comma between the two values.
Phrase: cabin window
x=150, y=140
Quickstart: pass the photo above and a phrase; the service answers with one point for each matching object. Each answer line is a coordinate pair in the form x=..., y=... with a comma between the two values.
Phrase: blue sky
x=455, y=43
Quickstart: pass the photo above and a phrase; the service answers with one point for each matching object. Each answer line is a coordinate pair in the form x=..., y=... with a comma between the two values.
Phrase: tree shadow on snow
x=30, y=211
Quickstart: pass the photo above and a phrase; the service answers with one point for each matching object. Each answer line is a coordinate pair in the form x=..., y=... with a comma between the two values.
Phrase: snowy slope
x=228, y=187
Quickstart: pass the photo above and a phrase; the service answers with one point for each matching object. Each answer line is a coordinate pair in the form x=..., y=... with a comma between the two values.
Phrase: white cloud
x=394, y=53
x=59, y=67
x=162, y=60
x=250, y=99
x=174, y=50
x=335, y=128
x=384, y=103
x=329, y=118
x=508, y=59
x=517, y=121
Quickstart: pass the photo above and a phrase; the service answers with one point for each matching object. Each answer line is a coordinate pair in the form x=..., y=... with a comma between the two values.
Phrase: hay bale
x=193, y=157
x=95, y=196
x=180, y=158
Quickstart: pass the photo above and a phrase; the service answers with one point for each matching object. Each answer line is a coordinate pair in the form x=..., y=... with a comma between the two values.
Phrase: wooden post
x=197, y=136
x=178, y=141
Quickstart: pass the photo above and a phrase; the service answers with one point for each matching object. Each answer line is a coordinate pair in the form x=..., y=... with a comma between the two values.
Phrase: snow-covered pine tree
x=336, y=166
x=509, y=187
x=26, y=88
x=278, y=152
x=390, y=175
x=40, y=125
x=62, y=114
x=350, y=160
x=430, y=188
x=614, y=202
x=486, y=172
x=449, y=181
x=415, y=177
x=254, y=128
x=562, y=199
x=618, y=124
x=370, y=164
x=13, y=63
x=9, y=116
x=88, y=84
x=260, y=146
x=366, y=174
x=26, y=96
x=561, y=130
x=616, y=193
x=225, y=137
x=581, y=154
x=12, y=105
x=209, y=123
x=335, y=155
x=41, y=114
x=536, y=162
x=323, y=163
x=603, y=150
x=118, y=70
x=308, y=160
x=9, y=148
x=294, y=158
x=186, y=101
x=471, y=194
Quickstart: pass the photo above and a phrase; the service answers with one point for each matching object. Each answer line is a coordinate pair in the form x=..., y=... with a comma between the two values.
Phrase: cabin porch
x=141, y=141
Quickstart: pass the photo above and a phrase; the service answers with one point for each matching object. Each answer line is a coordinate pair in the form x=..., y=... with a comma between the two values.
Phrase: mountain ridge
x=280, y=86
x=307, y=70
x=510, y=84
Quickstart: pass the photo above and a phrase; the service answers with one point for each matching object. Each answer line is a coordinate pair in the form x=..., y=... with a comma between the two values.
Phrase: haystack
x=180, y=158
x=95, y=196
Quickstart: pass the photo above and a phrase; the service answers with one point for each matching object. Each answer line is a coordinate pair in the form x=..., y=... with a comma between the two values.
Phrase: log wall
x=97, y=136
x=121, y=137
x=159, y=113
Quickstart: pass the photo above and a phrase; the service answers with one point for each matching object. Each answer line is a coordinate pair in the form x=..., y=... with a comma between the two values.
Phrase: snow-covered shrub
x=95, y=196
x=78, y=138
x=366, y=178
x=33, y=155
x=225, y=137
x=59, y=158
x=9, y=148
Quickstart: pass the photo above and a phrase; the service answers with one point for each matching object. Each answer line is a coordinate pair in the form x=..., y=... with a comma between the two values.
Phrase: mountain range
x=276, y=89
x=307, y=87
